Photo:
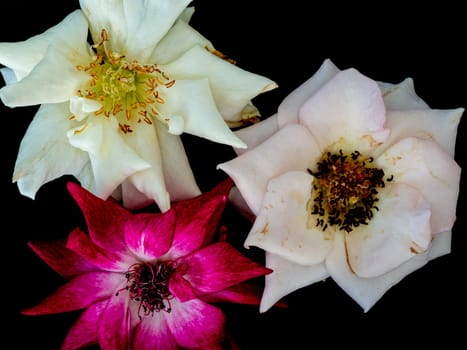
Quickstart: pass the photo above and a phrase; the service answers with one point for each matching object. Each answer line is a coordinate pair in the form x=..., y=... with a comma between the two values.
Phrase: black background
x=286, y=42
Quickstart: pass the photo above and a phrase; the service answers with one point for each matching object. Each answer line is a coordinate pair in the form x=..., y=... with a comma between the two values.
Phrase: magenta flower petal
x=196, y=324
x=245, y=293
x=198, y=218
x=80, y=243
x=149, y=236
x=78, y=293
x=104, y=219
x=64, y=261
x=180, y=287
x=154, y=333
x=115, y=324
x=84, y=332
x=159, y=271
x=220, y=266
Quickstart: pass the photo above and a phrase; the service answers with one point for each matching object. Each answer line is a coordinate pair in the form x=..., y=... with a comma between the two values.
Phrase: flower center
x=345, y=190
x=127, y=90
x=149, y=285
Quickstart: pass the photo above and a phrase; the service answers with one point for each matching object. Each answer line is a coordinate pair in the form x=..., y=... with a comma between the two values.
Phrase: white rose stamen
x=126, y=90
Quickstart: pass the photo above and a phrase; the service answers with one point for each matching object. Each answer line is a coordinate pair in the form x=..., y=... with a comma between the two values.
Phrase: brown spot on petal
x=371, y=141
x=265, y=229
x=80, y=130
x=347, y=256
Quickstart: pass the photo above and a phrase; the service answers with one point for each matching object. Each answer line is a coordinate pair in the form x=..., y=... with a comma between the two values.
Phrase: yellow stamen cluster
x=127, y=90
x=345, y=190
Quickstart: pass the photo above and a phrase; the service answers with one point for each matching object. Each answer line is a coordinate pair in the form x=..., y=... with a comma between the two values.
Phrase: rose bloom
x=111, y=113
x=353, y=179
x=148, y=281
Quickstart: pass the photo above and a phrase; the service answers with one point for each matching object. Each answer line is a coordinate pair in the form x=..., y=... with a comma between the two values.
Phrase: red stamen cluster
x=149, y=285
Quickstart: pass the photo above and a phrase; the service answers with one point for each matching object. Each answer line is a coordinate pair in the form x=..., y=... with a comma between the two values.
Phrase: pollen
x=345, y=190
x=126, y=89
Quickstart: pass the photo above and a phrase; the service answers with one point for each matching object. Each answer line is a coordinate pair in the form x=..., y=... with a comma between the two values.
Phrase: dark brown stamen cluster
x=149, y=285
x=345, y=190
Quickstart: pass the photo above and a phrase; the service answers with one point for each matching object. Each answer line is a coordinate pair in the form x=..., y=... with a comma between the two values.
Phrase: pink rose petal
x=427, y=167
x=105, y=219
x=348, y=110
x=397, y=232
x=115, y=324
x=78, y=293
x=219, y=266
x=64, y=261
x=289, y=108
x=153, y=333
x=80, y=243
x=283, y=225
x=84, y=332
x=150, y=235
x=196, y=324
x=367, y=291
x=291, y=148
x=197, y=219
